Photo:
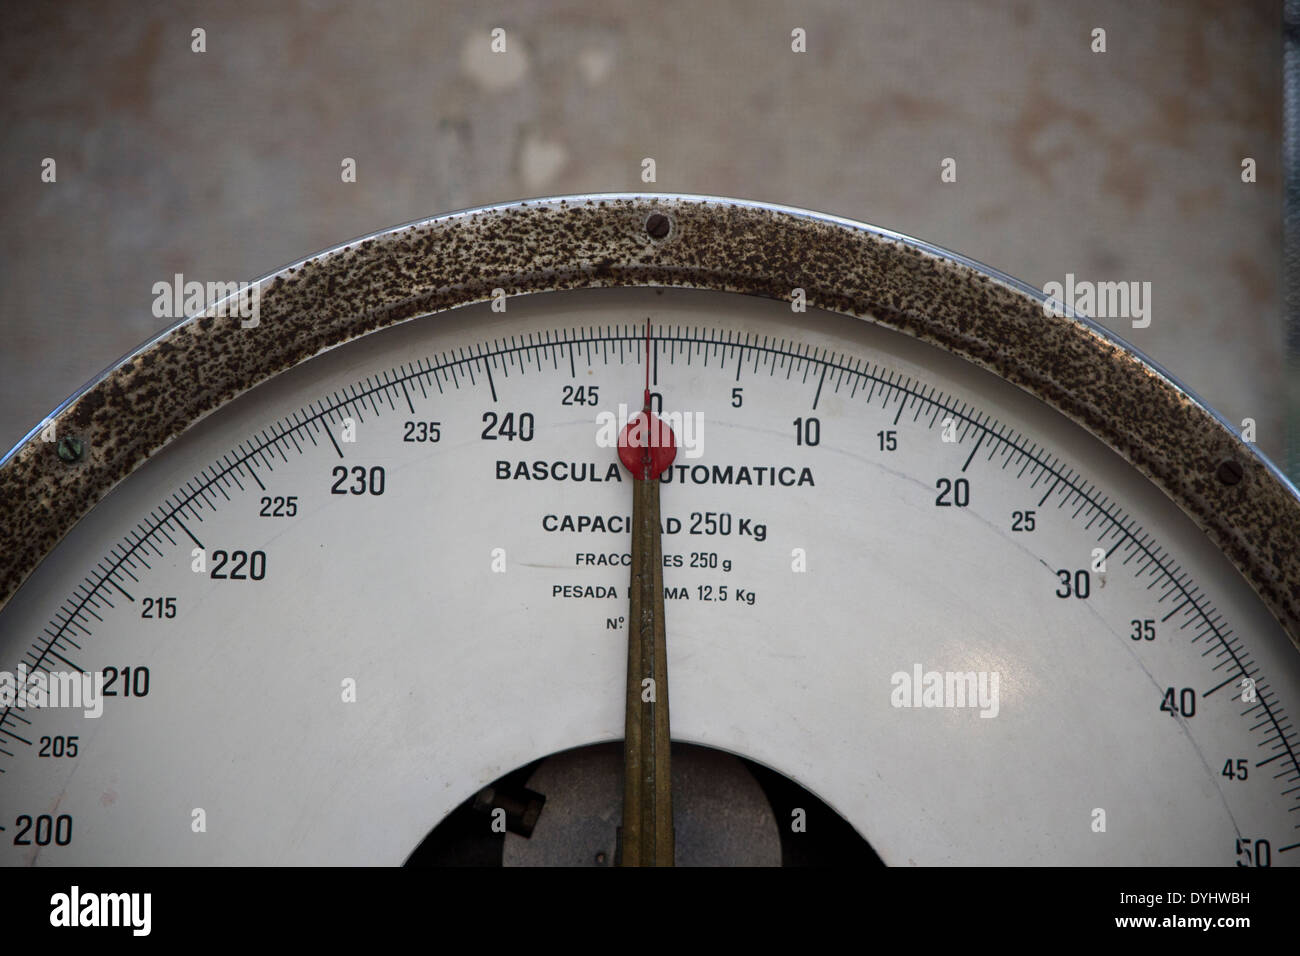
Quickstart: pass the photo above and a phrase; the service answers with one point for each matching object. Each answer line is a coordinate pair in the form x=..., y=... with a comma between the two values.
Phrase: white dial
x=967, y=625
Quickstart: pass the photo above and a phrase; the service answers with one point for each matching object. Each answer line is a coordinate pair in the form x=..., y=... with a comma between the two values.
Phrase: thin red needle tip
x=652, y=450
x=647, y=365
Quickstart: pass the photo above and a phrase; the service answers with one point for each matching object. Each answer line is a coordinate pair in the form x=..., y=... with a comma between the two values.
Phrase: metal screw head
x=71, y=449
x=657, y=226
x=1230, y=472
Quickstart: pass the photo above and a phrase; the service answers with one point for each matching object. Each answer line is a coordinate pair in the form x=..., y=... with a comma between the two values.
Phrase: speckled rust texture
x=713, y=244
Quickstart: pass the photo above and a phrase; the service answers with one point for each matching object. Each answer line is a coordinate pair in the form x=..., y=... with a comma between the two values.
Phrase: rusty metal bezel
x=1091, y=376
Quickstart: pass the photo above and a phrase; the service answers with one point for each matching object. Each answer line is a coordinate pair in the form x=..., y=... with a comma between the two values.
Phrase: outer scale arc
x=1089, y=375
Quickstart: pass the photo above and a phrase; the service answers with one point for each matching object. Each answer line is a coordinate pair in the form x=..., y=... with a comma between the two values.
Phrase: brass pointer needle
x=647, y=447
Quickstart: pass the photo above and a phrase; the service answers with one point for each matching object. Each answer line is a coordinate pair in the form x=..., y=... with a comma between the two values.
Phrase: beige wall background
x=225, y=165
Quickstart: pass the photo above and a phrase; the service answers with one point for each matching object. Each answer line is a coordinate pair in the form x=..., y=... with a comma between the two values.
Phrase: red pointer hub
x=647, y=446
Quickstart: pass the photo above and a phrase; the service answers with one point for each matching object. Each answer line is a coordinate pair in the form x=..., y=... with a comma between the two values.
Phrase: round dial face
x=331, y=612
